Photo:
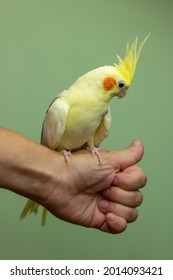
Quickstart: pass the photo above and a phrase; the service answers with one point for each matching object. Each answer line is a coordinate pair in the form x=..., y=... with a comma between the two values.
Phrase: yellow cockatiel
x=80, y=116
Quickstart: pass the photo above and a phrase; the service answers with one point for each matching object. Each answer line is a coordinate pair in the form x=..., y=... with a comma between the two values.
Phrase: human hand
x=119, y=201
x=102, y=197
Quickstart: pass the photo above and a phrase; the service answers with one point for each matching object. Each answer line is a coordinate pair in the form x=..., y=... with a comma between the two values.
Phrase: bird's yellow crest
x=127, y=66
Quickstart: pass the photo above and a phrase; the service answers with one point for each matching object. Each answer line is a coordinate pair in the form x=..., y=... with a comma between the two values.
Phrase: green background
x=44, y=47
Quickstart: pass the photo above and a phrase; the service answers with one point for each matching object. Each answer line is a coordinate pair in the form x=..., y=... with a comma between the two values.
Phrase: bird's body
x=80, y=116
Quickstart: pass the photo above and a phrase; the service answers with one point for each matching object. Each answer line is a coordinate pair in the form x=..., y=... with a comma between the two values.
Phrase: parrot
x=79, y=117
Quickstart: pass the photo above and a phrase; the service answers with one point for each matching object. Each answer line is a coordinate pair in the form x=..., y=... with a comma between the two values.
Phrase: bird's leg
x=67, y=155
x=95, y=151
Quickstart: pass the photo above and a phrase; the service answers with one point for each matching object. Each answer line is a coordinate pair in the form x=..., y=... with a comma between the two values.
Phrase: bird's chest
x=82, y=122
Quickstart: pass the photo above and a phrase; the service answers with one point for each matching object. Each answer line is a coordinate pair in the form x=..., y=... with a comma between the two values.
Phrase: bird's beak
x=122, y=93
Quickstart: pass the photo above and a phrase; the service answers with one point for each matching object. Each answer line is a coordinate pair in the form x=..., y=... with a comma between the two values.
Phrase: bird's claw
x=67, y=155
x=95, y=151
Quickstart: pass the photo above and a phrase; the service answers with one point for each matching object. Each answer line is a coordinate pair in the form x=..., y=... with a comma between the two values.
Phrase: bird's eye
x=121, y=84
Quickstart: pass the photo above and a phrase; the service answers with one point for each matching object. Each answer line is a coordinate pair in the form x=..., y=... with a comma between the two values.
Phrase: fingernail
x=103, y=204
x=112, y=217
x=136, y=143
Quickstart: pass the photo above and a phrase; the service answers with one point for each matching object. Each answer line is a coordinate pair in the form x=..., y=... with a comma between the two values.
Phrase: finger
x=120, y=196
x=128, y=157
x=131, y=178
x=128, y=213
x=113, y=224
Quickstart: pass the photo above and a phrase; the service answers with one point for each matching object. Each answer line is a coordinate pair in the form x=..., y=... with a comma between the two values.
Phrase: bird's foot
x=95, y=151
x=67, y=155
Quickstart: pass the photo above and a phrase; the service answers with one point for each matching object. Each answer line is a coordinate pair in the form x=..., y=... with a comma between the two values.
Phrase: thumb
x=129, y=156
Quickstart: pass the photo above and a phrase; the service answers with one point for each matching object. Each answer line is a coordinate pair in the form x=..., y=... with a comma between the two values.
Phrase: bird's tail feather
x=32, y=207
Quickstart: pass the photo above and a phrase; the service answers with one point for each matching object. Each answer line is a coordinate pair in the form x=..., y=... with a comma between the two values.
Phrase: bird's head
x=117, y=81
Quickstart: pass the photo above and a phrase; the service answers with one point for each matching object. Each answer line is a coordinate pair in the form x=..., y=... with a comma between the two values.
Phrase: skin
x=82, y=192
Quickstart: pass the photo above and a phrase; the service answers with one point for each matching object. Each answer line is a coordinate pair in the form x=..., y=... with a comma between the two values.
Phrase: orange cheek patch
x=109, y=83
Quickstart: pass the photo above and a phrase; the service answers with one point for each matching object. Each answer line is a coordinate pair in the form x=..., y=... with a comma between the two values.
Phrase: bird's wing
x=103, y=129
x=54, y=123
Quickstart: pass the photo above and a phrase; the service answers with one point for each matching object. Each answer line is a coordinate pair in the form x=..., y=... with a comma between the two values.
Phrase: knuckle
x=138, y=198
x=142, y=177
x=121, y=227
x=133, y=215
x=125, y=180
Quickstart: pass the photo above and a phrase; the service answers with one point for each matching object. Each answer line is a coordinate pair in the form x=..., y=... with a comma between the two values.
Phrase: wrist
x=27, y=168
